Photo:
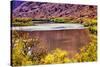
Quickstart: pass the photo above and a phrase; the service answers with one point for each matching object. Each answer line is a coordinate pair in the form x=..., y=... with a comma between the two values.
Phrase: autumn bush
x=26, y=50
x=18, y=55
x=21, y=57
x=39, y=56
x=20, y=19
x=91, y=24
x=56, y=56
x=87, y=53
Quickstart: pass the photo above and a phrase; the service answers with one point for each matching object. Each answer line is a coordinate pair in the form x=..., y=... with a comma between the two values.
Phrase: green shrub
x=58, y=20
x=22, y=21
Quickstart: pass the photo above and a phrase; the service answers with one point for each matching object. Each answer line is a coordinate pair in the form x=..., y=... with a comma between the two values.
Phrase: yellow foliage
x=18, y=56
x=87, y=53
x=56, y=56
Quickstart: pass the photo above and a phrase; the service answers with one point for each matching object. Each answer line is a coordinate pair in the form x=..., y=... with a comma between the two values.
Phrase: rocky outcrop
x=49, y=10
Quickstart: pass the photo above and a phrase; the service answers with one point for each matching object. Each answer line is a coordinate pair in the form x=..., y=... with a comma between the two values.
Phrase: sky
x=16, y=3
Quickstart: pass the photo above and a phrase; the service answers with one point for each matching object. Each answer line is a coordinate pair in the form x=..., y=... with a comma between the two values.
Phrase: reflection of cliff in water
x=70, y=38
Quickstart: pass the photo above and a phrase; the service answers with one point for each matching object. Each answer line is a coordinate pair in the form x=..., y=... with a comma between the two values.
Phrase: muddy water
x=69, y=38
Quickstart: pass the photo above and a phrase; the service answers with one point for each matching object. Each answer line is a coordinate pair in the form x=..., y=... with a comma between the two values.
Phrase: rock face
x=50, y=10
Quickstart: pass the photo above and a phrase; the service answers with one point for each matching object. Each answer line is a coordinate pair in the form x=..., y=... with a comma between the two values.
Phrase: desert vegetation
x=22, y=22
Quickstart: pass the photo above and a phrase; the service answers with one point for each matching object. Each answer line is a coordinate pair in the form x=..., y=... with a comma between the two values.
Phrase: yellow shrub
x=56, y=56
x=87, y=53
